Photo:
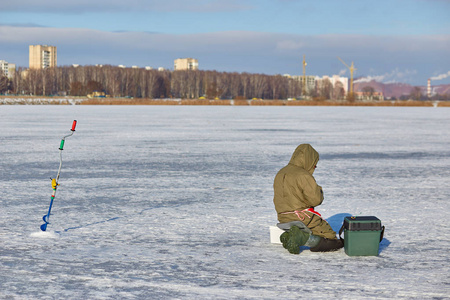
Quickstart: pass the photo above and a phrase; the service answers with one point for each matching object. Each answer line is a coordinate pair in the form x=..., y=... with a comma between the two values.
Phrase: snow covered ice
x=175, y=202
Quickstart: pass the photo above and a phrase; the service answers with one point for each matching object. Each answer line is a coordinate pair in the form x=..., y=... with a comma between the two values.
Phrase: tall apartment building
x=185, y=64
x=8, y=69
x=42, y=56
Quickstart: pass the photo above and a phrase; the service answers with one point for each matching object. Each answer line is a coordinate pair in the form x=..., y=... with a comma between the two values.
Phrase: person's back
x=296, y=194
x=295, y=189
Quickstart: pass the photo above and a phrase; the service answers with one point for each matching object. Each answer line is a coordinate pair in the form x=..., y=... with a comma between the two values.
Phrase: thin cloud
x=22, y=25
x=89, y=6
x=290, y=45
x=234, y=40
x=400, y=59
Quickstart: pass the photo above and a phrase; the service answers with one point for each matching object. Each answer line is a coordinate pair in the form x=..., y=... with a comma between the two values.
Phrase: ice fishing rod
x=55, y=181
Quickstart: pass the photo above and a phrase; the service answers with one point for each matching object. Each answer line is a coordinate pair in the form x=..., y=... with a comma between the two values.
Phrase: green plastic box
x=362, y=235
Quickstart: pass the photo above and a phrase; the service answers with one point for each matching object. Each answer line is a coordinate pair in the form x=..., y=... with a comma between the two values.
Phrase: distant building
x=42, y=56
x=185, y=64
x=310, y=82
x=335, y=79
x=8, y=69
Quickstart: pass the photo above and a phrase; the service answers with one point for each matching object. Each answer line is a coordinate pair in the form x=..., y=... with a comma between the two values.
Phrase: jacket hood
x=306, y=157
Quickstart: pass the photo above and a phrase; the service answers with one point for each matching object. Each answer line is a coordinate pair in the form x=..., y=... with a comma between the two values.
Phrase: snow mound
x=44, y=235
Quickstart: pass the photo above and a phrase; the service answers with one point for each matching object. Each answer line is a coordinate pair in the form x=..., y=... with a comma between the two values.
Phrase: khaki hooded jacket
x=295, y=189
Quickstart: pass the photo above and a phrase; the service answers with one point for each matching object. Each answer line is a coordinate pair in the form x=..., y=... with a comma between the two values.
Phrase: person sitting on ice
x=296, y=194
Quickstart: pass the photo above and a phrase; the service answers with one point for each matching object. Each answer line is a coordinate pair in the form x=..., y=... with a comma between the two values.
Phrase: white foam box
x=275, y=233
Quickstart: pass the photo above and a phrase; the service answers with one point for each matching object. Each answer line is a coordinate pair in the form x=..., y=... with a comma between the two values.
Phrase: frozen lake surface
x=174, y=202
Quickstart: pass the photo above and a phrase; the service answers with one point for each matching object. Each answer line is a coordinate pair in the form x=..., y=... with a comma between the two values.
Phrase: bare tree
x=368, y=90
x=325, y=89
x=4, y=84
x=338, y=91
x=132, y=82
x=416, y=93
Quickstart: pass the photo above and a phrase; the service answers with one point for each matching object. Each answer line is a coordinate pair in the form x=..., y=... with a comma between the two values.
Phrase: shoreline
x=35, y=100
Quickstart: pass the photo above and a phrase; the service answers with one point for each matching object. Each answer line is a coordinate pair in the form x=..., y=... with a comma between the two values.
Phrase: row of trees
x=417, y=94
x=143, y=83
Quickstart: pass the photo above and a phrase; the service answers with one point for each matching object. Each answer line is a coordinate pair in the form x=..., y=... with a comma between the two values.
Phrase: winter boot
x=326, y=245
x=284, y=237
x=293, y=239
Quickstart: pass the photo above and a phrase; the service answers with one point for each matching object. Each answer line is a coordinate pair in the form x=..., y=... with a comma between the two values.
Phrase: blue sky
x=389, y=40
